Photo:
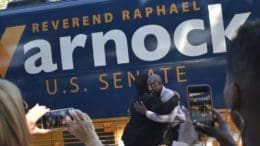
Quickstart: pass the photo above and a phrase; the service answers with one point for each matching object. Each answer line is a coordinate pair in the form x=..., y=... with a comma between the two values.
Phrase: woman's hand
x=82, y=128
x=33, y=115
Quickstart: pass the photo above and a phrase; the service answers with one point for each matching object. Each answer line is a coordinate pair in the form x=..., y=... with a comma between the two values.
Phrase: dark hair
x=243, y=58
x=141, y=84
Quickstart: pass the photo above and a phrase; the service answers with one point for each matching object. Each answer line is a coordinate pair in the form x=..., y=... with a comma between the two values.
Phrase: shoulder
x=166, y=94
x=167, y=91
x=176, y=143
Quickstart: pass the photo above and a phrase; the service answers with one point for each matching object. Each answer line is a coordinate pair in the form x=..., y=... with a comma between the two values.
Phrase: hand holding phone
x=56, y=118
x=200, y=104
x=33, y=115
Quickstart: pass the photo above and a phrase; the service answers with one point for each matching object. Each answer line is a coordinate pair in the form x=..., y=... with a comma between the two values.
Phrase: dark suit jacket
x=160, y=107
x=140, y=131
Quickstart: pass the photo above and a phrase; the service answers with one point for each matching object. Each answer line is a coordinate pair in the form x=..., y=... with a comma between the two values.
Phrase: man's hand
x=33, y=115
x=140, y=107
x=221, y=132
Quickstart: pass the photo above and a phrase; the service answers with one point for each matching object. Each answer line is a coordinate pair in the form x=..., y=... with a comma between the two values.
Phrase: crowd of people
x=152, y=110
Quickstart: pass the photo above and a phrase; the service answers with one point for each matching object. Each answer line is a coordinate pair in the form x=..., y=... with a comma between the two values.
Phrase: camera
x=55, y=118
x=200, y=104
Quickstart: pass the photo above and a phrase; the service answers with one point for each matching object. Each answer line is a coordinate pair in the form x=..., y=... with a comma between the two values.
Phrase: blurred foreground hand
x=221, y=132
x=81, y=127
x=33, y=115
x=187, y=133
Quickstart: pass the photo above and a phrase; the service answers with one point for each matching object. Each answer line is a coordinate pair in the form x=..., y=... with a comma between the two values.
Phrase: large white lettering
x=160, y=49
x=217, y=27
x=181, y=38
x=99, y=40
x=67, y=47
x=44, y=55
x=163, y=42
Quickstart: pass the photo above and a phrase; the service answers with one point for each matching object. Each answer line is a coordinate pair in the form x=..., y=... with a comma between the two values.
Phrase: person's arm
x=187, y=134
x=82, y=128
x=160, y=107
x=176, y=143
x=141, y=108
x=158, y=118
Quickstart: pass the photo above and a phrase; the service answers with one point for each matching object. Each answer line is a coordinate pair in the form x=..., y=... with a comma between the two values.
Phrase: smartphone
x=200, y=104
x=55, y=118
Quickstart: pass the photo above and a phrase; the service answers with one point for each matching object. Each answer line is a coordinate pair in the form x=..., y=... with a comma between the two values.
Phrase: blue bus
x=86, y=54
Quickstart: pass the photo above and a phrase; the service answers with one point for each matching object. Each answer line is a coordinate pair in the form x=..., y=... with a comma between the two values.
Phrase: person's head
x=13, y=127
x=242, y=88
x=141, y=84
x=155, y=83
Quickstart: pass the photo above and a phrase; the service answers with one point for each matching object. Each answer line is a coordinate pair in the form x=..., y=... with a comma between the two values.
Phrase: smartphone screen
x=55, y=118
x=200, y=104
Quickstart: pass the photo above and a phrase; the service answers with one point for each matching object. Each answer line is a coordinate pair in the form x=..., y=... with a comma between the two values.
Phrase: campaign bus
x=86, y=54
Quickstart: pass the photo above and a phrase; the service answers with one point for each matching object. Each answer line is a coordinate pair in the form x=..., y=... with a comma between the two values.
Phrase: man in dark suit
x=164, y=102
x=138, y=124
x=141, y=131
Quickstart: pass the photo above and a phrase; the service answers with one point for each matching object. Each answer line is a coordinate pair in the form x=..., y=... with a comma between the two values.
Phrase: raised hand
x=221, y=132
x=140, y=107
x=82, y=128
x=33, y=115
